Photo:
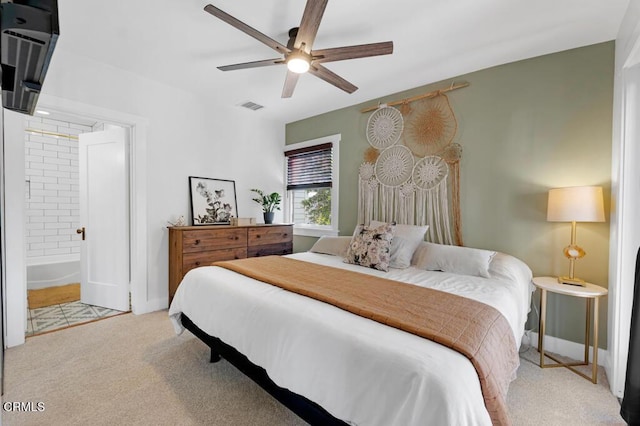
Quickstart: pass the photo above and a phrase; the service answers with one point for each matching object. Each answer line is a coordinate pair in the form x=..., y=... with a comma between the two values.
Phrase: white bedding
x=360, y=371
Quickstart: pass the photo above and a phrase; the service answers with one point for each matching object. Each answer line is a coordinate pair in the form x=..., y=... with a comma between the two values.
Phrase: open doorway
x=15, y=291
x=56, y=254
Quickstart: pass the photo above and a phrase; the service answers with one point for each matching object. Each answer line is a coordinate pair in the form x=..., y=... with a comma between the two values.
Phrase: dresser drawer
x=213, y=239
x=270, y=249
x=206, y=258
x=194, y=246
x=267, y=235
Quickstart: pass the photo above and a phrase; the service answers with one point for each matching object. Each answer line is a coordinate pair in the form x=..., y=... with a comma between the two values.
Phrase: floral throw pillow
x=371, y=247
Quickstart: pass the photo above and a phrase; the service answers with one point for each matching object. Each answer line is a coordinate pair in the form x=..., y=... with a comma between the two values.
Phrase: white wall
x=14, y=220
x=185, y=136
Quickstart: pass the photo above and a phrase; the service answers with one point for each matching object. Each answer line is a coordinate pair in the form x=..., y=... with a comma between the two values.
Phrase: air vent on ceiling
x=251, y=105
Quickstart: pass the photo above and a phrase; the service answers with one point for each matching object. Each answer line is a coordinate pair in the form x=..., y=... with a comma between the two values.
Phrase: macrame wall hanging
x=411, y=171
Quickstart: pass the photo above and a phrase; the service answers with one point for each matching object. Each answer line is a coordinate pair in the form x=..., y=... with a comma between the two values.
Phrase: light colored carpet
x=557, y=396
x=133, y=370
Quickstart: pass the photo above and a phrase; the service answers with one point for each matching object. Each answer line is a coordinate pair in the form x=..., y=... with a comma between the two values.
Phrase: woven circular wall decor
x=407, y=189
x=371, y=155
x=384, y=127
x=367, y=170
x=429, y=172
x=430, y=126
x=394, y=166
x=452, y=153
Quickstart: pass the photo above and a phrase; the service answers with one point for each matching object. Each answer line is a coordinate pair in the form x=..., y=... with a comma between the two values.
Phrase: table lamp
x=575, y=204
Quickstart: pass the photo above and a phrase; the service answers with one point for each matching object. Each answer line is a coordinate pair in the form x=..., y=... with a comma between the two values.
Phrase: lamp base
x=572, y=281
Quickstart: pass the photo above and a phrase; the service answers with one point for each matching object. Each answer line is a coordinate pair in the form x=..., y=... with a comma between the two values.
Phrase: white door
x=104, y=219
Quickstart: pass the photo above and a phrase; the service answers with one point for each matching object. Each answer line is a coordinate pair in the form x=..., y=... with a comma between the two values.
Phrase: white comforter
x=360, y=371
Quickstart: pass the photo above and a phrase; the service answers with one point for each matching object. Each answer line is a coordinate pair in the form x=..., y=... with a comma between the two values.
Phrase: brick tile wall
x=52, y=188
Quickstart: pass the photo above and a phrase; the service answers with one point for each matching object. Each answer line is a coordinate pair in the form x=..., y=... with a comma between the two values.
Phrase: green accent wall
x=524, y=127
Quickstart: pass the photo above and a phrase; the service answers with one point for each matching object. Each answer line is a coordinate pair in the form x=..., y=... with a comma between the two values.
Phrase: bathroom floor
x=55, y=317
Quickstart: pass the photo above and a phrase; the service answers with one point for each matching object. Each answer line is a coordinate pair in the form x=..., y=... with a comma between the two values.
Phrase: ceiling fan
x=298, y=54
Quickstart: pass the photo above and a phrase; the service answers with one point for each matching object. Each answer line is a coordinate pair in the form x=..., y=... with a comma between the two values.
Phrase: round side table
x=592, y=294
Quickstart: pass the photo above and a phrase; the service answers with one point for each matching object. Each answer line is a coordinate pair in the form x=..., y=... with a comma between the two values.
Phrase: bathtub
x=52, y=271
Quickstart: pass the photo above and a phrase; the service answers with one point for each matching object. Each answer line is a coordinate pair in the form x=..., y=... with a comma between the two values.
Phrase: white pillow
x=405, y=241
x=336, y=246
x=454, y=259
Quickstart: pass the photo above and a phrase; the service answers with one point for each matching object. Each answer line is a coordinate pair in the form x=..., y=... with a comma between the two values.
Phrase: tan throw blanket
x=472, y=328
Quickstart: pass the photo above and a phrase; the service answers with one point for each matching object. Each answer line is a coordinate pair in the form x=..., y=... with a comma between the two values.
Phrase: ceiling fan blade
x=352, y=52
x=332, y=78
x=290, y=84
x=254, y=64
x=278, y=47
x=309, y=24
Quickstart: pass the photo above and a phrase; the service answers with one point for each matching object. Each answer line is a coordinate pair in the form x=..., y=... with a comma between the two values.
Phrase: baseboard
x=150, y=306
x=566, y=348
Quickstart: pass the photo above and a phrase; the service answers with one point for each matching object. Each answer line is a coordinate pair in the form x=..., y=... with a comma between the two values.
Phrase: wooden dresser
x=193, y=246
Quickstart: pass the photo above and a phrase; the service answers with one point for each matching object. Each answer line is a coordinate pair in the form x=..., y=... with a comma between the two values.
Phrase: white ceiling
x=177, y=43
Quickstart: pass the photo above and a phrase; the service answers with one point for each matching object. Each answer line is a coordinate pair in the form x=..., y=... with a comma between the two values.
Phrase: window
x=312, y=186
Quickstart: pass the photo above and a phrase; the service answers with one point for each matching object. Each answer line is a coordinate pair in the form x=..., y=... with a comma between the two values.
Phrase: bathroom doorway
x=54, y=244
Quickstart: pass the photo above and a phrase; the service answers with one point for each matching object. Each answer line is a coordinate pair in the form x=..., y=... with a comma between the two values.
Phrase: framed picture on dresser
x=213, y=201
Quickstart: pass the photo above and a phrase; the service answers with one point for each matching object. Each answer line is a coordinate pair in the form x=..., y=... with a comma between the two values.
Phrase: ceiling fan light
x=298, y=64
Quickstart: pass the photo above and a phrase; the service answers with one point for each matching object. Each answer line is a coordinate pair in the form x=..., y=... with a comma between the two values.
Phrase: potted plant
x=269, y=203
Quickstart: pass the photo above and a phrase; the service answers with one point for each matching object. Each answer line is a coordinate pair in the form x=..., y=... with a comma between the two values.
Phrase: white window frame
x=317, y=230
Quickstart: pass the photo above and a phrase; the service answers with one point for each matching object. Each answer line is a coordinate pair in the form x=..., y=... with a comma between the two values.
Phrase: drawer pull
x=198, y=263
x=197, y=242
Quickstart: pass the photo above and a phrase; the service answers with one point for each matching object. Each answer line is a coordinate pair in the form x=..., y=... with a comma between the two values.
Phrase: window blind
x=310, y=167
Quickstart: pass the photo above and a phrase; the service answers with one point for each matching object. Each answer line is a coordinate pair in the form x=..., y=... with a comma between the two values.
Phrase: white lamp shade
x=576, y=204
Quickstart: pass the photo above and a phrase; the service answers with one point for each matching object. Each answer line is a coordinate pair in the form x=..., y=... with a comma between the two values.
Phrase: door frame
x=625, y=231
x=15, y=325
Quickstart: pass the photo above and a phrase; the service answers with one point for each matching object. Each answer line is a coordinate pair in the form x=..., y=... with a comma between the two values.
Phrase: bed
x=344, y=368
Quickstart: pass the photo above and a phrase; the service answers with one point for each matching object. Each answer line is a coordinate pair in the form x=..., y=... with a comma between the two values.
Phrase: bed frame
x=306, y=409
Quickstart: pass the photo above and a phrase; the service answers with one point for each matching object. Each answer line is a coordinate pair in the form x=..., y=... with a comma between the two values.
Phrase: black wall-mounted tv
x=29, y=30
